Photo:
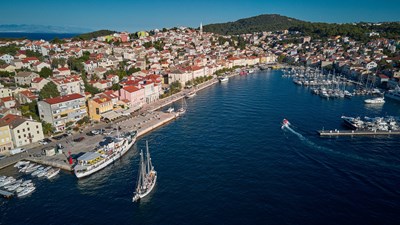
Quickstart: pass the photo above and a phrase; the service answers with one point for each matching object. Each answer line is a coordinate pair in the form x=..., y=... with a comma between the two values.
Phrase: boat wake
x=349, y=156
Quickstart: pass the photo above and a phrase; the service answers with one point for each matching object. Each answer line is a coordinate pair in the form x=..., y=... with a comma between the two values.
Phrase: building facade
x=62, y=110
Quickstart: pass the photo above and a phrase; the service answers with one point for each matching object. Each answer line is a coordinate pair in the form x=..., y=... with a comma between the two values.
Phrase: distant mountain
x=94, y=34
x=28, y=28
x=265, y=22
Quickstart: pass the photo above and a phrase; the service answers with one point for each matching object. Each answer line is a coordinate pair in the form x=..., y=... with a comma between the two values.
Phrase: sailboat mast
x=143, y=170
x=148, y=157
x=139, y=184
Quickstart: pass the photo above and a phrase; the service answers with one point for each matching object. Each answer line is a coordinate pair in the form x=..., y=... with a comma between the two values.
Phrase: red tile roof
x=65, y=98
x=131, y=89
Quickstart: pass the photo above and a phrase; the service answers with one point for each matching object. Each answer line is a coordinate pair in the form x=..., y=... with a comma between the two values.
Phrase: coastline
x=148, y=120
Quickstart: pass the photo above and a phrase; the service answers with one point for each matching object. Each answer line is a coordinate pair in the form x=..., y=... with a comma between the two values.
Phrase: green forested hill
x=266, y=22
x=94, y=34
x=273, y=22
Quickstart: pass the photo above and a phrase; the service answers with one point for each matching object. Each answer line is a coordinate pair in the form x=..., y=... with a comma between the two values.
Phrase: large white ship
x=107, y=152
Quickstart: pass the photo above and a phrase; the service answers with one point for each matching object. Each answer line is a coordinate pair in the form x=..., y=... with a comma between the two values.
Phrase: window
x=18, y=131
x=23, y=130
x=37, y=126
x=19, y=136
x=29, y=129
x=24, y=135
x=38, y=132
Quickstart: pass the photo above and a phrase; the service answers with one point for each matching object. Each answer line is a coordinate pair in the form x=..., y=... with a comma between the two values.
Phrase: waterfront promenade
x=143, y=121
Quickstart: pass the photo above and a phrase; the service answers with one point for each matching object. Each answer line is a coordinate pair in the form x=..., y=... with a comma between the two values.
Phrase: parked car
x=79, y=139
x=59, y=137
x=17, y=150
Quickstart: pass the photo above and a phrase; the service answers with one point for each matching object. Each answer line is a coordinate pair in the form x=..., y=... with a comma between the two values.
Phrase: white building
x=23, y=131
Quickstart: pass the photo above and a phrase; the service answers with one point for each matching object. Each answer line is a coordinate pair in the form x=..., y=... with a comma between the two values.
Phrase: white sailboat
x=182, y=110
x=147, y=176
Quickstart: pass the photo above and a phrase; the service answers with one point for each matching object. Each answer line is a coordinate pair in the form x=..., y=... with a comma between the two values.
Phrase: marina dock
x=356, y=133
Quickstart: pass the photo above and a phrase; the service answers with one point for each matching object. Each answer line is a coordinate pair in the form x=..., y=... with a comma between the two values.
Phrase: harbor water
x=227, y=161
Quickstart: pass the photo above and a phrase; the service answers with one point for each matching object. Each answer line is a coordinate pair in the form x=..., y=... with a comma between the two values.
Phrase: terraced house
x=62, y=110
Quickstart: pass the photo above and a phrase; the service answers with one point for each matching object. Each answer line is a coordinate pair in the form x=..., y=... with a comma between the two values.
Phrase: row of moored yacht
x=20, y=187
x=23, y=187
x=37, y=170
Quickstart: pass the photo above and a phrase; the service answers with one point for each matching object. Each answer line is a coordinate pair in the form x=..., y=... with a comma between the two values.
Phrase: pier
x=356, y=133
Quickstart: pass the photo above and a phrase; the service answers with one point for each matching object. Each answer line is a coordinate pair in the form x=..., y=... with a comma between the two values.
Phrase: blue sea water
x=227, y=161
x=36, y=36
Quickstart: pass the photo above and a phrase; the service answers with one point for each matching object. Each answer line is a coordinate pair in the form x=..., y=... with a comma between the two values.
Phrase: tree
x=47, y=128
x=133, y=70
x=49, y=91
x=116, y=87
x=281, y=58
x=92, y=90
x=30, y=110
x=45, y=72
x=83, y=120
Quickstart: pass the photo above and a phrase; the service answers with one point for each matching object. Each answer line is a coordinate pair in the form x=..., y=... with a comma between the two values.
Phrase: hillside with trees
x=94, y=34
x=265, y=22
x=273, y=22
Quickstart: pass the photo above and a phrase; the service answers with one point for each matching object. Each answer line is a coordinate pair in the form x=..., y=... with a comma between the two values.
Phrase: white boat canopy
x=89, y=156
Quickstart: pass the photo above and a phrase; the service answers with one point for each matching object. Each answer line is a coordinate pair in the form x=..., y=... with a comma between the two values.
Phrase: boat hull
x=142, y=195
x=106, y=163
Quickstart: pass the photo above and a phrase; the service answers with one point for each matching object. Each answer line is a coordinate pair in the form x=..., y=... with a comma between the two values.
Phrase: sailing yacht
x=182, y=110
x=147, y=176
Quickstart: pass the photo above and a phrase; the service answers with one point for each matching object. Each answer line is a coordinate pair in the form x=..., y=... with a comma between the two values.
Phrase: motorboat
x=52, y=173
x=375, y=100
x=26, y=191
x=285, y=123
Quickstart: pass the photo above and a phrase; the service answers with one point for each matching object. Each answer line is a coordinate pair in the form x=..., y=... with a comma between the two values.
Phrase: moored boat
x=106, y=153
x=375, y=101
x=52, y=173
x=223, y=79
x=26, y=191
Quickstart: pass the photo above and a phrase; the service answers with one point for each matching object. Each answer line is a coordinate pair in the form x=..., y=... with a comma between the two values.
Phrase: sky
x=135, y=15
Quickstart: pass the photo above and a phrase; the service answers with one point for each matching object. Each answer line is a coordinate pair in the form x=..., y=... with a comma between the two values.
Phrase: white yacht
x=170, y=110
x=375, y=101
x=223, y=79
x=26, y=191
x=52, y=173
x=182, y=110
x=106, y=153
x=147, y=177
x=190, y=94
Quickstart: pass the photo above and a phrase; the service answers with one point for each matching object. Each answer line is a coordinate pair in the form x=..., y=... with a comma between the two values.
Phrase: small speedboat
x=285, y=123
x=375, y=101
x=52, y=173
